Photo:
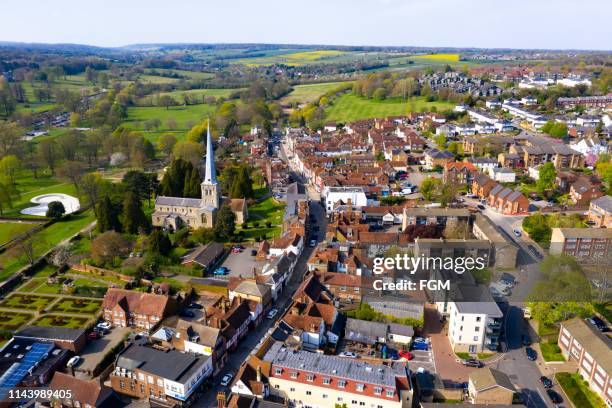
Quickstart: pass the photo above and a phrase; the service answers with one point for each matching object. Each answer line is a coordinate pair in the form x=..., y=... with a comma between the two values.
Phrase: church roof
x=178, y=201
x=210, y=176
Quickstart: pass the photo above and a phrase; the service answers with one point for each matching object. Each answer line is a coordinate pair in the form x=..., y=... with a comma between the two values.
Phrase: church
x=177, y=212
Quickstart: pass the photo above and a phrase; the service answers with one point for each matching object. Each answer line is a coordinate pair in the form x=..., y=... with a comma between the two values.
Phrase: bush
x=244, y=225
x=256, y=224
x=268, y=224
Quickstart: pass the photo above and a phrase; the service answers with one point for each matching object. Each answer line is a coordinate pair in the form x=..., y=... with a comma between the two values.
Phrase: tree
x=242, y=186
x=159, y=242
x=455, y=148
x=8, y=193
x=93, y=186
x=134, y=218
x=167, y=142
x=107, y=216
x=60, y=255
x=440, y=140
x=188, y=151
x=7, y=101
x=55, y=210
x=71, y=171
x=47, y=150
x=204, y=235
x=547, y=175
x=538, y=228
x=10, y=138
x=9, y=165
x=226, y=223
x=108, y=245
x=429, y=188
x=192, y=187
x=166, y=101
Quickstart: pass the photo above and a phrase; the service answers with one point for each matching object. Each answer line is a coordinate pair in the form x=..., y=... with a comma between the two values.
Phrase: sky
x=549, y=24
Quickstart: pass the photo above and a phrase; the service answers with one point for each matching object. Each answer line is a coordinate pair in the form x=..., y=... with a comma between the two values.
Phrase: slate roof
x=50, y=333
x=172, y=364
x=178, y=201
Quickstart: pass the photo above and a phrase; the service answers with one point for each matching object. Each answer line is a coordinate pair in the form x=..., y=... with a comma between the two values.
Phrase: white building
x=502, y=174
x=334, y=194
x=573, y=81
x=474, y=326
x=493, y=104
x=590, y=145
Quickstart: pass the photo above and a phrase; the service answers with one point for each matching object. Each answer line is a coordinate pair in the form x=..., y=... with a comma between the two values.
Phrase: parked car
x=253, y=252
x=599, y=323
x=272, y=313
x=187, y=313
x=104, y=325
x=101, y=330
x=472, y=362
x=517, y=233
x=392, y=354
x=546, y=382
x=195, y=305
x=554, y=396
x=531, y=354
x=420, y=346
x=406, y=354
x=227, y=379
x=313, y=243
x=481, y=207
x=221, y=271
x=94, y=335
x=349, y=354
x=525, y=340
x=73, y=361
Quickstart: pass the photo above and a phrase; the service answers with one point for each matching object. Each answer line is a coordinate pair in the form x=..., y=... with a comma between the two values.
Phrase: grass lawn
x=463, y=355
x=70, y=322
x=31, y=285
x=107, y=278
x=11, y=260
x=484, y=356
x=27, y=302
x=13, y=320
x=308, y=92
x=10, y=230
x=551, y=351
x=578, y=391
x=349, y=107
x=77, y=306
x=267, y=210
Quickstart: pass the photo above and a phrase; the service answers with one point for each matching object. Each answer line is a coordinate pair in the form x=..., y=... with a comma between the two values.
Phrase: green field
x=294, y=58
x=348, y=107
x=268, y=210
x=12, y=260
x=199, y=93
x=182, y=115
x=309, y=92
x=187, y=74
x=578, y=391
x=10, y=230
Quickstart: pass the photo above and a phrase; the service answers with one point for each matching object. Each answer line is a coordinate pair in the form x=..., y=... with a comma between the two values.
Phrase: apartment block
x=582, y=342
x=586, y=244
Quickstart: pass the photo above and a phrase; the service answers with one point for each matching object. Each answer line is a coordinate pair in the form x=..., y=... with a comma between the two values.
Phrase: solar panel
x=19, y=370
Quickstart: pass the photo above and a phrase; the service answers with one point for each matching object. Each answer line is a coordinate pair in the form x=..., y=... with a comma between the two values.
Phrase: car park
x=272, y=313
x=546, y=382
x=227, y=379
x=73, y=361
x=532, y=355
x=419, y=343
x=392, y=354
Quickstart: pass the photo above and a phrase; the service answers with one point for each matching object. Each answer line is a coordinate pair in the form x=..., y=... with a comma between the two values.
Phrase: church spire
x=210, y=176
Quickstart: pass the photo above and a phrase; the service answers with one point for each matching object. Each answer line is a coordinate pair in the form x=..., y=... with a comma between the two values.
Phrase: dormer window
x=360, y=387
x=294, y=374
x=278, y=371
x=326, y=380
x=310, y=377
x=390, y=393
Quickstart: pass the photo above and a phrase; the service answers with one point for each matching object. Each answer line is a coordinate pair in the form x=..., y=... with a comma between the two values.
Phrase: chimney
x=258, y=373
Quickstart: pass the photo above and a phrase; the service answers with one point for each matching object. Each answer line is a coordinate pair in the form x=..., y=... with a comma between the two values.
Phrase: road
x=254, y=338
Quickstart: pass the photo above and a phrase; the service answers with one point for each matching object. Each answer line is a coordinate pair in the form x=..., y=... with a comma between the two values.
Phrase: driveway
x=447, y=364
x=95, y=351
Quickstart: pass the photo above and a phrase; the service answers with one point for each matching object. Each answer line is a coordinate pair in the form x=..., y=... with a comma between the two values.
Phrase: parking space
x=422, y=360
x=95, y=350
x=241, y=263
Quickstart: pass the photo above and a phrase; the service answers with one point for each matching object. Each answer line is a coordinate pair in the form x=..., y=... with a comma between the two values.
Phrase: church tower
x=211, y=192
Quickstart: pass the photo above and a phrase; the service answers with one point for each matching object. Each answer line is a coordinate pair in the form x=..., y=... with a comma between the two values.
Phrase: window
x=326, y=381
x=462, y=318
x=278, y=371
x=390, y=393
x=310, y=377
x=277, y=386
x=377, y=390
x=308, y=392
x=122, y=384
x=292, y=389
x=142, y=388
x=160, y=382
x=141, y=376
x=324, y=396
x=294, y=374
x=360, y=387
x=475, y=338
x=149, y=379
x=341, y=383
x=477, y=329
x=478, y=318
x=361, y=403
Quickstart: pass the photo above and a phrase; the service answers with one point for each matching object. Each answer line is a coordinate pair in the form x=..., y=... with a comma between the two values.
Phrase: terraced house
x=126, y=308
x=312, y=380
